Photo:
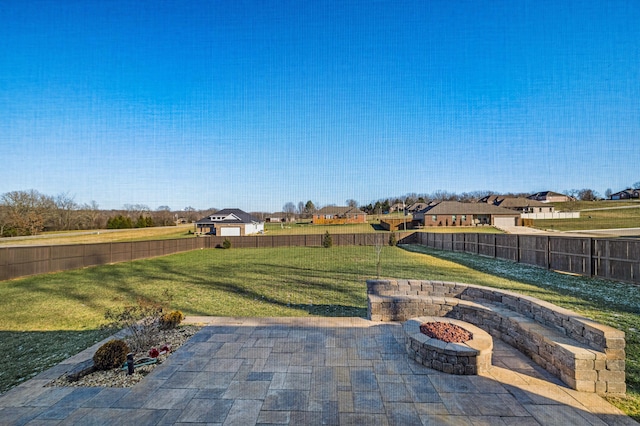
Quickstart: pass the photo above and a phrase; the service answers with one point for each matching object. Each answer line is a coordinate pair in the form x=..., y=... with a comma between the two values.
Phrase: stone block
x=585, y=386
x=585, y=375
x=596, y=340
x=616, y=387
x=611, y=376
x=614, y=354
x=615, y=364
x=583, y=364
x=615, y=343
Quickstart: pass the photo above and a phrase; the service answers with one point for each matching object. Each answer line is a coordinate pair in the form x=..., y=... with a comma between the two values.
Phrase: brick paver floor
x=308, y=371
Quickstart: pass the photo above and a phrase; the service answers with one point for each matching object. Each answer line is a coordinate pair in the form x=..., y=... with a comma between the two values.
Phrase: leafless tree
x=607, y=193
x=136, y=210
x=93, y=215
x=66, y=215
x=27, y=211
x=289, y=209
x=163, y=216
x=588, y=195
x=190, y=214
x=4, y=219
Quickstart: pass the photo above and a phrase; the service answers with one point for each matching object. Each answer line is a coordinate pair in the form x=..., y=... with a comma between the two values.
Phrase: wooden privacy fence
x=616, y=259
x=32, y=260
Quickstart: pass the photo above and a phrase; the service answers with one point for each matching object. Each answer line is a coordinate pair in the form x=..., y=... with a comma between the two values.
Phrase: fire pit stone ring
x=468, y=358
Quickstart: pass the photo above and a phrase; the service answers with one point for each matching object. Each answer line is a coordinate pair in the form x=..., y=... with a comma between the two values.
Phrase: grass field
x=103, y=236
x=594, y=215
x=307, y=228
x=182, y=231
x=65, y=309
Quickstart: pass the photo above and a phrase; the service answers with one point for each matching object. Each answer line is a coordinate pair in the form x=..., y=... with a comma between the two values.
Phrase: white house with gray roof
x=230, y=223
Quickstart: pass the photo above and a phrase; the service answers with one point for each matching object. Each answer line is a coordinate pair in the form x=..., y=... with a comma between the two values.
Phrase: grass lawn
x=65, y=309
x=595, y=215
x=590, y=205
x=307, y=228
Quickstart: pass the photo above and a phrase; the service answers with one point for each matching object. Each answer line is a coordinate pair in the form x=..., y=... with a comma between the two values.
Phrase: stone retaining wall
x=585, y=355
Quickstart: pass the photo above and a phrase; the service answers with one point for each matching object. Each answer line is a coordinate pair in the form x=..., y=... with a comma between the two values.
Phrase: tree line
x=31, y=212
x=385, y=205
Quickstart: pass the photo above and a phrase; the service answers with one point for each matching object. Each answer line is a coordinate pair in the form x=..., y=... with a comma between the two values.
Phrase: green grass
x=65, y=309
x=305, y=227
x=595, y=219
x=589, y=205
x=594, y=215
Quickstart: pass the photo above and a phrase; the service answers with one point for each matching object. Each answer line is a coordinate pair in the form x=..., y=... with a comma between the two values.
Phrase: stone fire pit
x=468, y=358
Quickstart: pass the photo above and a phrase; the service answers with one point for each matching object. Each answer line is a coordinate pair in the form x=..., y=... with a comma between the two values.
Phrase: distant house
x=280, y=217
x=397, y=207
x=230, y=222
x=550, y=197
x=627, y=194
x=416, y=207
x=454, y=213
x=333, y=215
x=520, y=204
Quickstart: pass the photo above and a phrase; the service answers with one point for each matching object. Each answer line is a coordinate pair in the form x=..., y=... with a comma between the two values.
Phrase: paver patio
x=307, y=371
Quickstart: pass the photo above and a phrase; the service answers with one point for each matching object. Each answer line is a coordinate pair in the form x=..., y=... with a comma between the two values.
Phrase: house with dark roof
x=627, y=194
x=416, y=207
x=550, y=197
x=455, y=213
x=520, y=204
x=230, y=222
x=334, y=215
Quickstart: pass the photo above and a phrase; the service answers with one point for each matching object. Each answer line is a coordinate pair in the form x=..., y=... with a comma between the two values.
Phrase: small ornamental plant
x=111, y=355
x=171, y=320
x=140, y=320
x=327, y=241
x=226, y=244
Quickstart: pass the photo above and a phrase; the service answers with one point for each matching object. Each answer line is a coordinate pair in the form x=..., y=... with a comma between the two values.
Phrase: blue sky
x=252, y=104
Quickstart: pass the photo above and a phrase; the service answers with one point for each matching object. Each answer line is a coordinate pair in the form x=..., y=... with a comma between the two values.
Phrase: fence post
x=548, y=252
x=607, y=254
x=49, y=259
x=588, y=267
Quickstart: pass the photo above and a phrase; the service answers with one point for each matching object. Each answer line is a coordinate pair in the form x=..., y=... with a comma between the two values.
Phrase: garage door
x=504, y=221
x=233, y=231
